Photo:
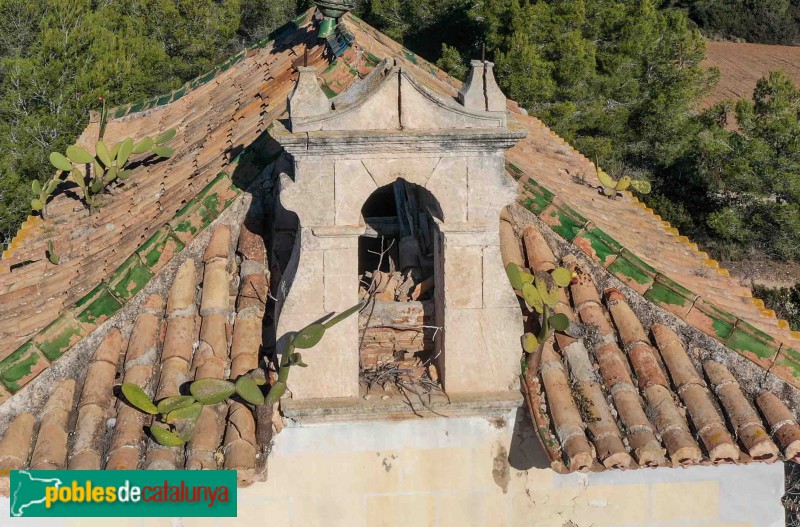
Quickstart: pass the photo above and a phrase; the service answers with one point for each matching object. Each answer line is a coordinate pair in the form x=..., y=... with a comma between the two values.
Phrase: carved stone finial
x=472, y=94
x=308, y=99
x=495, y=99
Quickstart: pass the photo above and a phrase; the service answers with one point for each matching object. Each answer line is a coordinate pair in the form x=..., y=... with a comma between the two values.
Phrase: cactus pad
x=275, y=393
x=170, y=404
x=212, y=391
x=138, y=398
x=343, y=315
x=59, y=161
x=559, y=321
x=562, y=276
x=248, y=390
x=188, y=413
x=309, y=336
x=165, y=437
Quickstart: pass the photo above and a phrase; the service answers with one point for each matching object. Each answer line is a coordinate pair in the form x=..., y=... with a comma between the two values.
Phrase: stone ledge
x=397, y=408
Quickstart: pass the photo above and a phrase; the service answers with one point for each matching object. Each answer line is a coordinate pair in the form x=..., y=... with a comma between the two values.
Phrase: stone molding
x=416, y=107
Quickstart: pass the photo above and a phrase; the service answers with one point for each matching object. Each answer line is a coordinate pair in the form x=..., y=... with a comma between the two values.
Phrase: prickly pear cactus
x=212, y=391
x=178, y=415
x=138, y=398
x=94, y=172
x=541, y=292
x=609, y=186
x=247, y=389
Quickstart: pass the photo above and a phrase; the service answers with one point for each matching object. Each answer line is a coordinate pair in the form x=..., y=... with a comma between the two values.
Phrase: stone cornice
x=397, y=141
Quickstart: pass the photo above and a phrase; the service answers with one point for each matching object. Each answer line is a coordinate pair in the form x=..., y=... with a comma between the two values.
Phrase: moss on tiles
x=21, y=366
x=59, y=336
x=129, y=278
x=97, y=306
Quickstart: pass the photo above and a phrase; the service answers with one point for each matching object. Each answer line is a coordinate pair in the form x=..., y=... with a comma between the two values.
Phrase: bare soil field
x=741, y=65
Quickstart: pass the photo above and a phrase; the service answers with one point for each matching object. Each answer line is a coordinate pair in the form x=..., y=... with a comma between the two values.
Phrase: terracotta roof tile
x=646, y=400
x=160, y=355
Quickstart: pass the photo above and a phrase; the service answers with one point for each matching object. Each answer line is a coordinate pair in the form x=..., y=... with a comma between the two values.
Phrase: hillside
x=742, y=64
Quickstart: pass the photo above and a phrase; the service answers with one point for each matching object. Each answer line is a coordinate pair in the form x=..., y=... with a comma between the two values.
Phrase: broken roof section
x=222, y=143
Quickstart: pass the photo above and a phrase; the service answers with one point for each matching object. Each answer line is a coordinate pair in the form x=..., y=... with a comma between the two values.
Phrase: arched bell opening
x=396, y=259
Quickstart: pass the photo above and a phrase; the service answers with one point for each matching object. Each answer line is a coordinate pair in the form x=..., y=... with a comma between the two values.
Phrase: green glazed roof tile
x=632, y=271
x=563, y=220
x=97, y=306
x=711, y=320
x=671, y=296
x=159, y=249
x=753, y=344
x=129, y=278
x=599, y=245
x=59, y=336
x=23, y=365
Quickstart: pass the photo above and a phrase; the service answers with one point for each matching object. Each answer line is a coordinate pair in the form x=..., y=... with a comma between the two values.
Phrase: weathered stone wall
x=393, y=327
x=461, y=472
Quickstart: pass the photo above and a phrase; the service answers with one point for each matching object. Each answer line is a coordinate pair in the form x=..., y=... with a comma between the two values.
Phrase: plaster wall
x=456, y=472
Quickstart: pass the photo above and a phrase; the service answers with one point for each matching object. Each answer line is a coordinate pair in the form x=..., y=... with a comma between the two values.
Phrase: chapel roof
x=109, y=258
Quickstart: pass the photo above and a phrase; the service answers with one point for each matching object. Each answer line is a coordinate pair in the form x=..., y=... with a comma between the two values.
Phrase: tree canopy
x=57, y=57
x=620, y=79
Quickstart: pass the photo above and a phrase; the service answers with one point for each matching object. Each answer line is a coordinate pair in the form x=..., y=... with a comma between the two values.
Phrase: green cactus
x=610, y=186
x=309, y=336
x=212, y=391
x=105, y=167
x=541, y=292
x=343, y=315
x=177, y=416
x=275, y=393
x=177, y=402
x=188, y=413
x=103, y=118
x=166, y=437
x=51, y=253
x=138, y=398
x=248, y=390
